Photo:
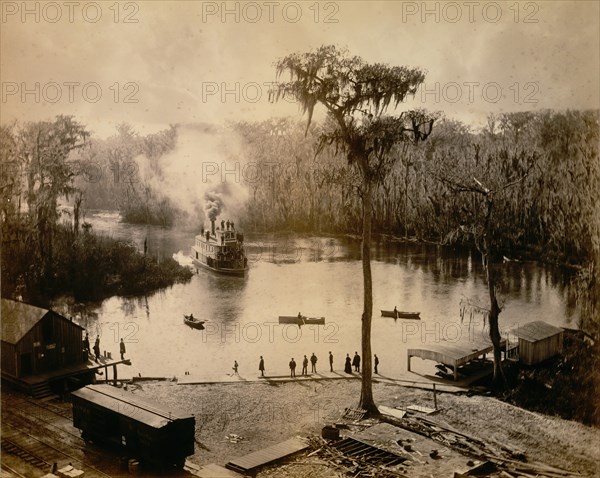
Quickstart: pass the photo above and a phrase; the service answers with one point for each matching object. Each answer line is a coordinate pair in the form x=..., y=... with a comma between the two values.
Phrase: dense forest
x=550, y=214
x=49, y=249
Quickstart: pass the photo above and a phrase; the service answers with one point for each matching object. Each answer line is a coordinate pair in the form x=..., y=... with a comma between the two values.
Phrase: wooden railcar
x=154, y=434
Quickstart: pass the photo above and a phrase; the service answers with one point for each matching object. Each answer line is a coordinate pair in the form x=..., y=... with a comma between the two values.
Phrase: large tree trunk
x=499, y=380
x=366, y=389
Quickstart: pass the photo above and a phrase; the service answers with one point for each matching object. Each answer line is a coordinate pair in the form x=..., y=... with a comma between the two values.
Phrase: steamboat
x=220, y=250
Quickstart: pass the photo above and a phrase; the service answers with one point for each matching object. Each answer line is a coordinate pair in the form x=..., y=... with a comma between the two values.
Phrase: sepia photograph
x=300, y=239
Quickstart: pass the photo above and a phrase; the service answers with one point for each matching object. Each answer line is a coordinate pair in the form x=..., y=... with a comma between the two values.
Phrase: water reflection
x=319, y=276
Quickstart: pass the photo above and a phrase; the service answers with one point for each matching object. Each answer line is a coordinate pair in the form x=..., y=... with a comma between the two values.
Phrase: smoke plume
x=195, y=178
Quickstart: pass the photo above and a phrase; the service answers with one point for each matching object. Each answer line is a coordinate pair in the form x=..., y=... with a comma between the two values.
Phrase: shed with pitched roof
x=37, y=341
x=538, y=341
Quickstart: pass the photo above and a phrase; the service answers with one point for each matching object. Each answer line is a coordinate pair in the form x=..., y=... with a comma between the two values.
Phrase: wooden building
x=538, y=341
x=37, y=341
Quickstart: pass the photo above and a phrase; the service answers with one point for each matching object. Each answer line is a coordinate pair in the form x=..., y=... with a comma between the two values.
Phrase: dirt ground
x=236, y=419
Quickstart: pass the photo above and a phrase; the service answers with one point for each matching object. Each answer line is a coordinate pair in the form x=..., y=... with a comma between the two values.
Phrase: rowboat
x=401, y=315
x=303, y=320
x=193, y=322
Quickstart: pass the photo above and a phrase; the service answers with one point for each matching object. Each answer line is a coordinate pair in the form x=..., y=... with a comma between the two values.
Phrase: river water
x=318, y=276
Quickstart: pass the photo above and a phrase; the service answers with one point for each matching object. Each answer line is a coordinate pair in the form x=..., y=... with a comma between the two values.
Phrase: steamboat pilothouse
x=220, y=250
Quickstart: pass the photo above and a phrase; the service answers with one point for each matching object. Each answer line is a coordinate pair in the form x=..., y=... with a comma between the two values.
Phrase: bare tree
x=482, y=228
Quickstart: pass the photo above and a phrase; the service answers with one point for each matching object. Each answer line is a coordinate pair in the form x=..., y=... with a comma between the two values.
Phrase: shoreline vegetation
x=86, y=266
x=550, y=215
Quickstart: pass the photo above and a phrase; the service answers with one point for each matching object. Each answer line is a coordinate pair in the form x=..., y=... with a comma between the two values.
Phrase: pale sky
x=188, y=61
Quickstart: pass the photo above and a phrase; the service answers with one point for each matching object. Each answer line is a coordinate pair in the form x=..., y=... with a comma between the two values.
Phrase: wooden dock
x=253, y=461
x=454, y=354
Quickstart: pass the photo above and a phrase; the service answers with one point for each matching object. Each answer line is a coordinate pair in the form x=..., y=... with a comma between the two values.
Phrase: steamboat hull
x=220, y=270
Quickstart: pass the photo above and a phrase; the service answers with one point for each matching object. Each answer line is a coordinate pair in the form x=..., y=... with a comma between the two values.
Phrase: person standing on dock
x=356, y=362
x=97, y=348
x=305, y=366
x=228, y=224
x=235, y=368
x=122, y=349
x=222, y=225
x=313, y=363
x=330, y=361
x=292, y=368
x=86, y=343
x=348, y=364
x=376, y=363
x=261, y=366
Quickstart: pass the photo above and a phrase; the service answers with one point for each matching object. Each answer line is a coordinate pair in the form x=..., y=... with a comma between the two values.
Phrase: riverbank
x=86, y=266
x=567, y=386
x=236, y=419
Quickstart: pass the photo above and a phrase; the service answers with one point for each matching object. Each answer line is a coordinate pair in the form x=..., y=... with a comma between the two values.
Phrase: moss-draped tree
x=356, y=96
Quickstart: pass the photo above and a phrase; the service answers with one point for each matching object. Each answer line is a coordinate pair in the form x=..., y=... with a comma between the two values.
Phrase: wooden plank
x=418, y=408
x=268, y=455
x=213, y=470
x=394, y=412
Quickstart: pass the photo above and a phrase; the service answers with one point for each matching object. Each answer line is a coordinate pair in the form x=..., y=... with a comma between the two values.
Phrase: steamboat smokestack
x=212, y=223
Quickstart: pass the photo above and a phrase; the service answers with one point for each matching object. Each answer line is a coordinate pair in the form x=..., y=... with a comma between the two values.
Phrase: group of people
x=349, y=364
x=86, y=346
x=96, y=348
x=355, y=362
x=313, y=361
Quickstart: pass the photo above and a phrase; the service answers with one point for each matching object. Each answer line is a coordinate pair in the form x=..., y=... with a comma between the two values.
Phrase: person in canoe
x=348, y=364
x=395, y=312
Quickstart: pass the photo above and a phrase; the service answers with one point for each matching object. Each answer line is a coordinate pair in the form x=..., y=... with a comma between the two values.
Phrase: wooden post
x=408, y=361
x=434, y=398
x=115, y=375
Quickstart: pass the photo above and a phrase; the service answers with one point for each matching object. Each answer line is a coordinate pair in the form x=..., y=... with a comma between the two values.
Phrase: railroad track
x=28, y=455
x=39, y=453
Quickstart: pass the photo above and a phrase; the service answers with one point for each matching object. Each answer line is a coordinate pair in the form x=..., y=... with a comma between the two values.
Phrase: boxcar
x=154, y=434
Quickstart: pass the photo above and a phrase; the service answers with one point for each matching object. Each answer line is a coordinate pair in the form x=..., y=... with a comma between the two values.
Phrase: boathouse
x=37, y=341
x=538, y=341
x=455, y=354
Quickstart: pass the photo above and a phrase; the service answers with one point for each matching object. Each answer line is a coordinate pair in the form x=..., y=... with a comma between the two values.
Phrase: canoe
x=193, y=322
x=401, y=314
x=294, y=319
